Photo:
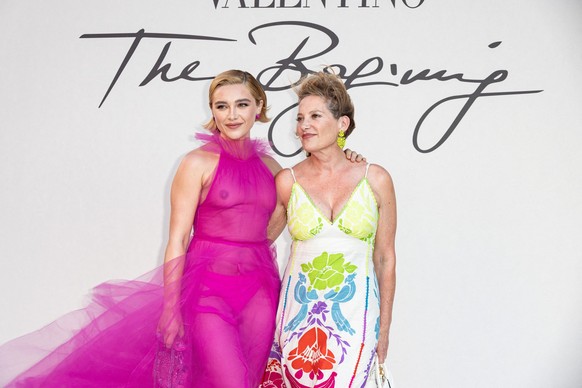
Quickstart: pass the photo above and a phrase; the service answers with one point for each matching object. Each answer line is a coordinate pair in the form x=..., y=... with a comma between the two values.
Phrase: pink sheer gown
x=223, y=291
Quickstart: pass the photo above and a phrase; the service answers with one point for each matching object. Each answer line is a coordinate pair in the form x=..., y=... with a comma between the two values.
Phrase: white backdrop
x=489, y=250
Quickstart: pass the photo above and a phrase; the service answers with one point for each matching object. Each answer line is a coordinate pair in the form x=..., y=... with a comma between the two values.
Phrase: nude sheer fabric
x=223, y=291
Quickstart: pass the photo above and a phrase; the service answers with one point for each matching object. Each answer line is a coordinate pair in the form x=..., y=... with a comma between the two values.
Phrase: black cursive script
x=276, y=77
x=158, y=69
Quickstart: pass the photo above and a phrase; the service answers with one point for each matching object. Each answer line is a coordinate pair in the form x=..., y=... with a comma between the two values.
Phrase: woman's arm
x=278, y=218
x=384, y=251
x=194, y=169
x=184, y=196
x=283, y=182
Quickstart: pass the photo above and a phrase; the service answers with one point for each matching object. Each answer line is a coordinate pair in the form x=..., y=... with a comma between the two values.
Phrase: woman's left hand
x=382, y=348
x=353, y=156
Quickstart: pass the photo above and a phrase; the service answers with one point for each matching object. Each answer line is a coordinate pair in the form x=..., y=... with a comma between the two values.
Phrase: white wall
x=489, y=248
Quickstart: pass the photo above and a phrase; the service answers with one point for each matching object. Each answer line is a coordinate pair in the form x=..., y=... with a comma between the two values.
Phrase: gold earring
x=341, y=139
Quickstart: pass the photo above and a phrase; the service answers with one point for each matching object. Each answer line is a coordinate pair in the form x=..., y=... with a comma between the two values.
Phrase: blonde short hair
x=238, y=77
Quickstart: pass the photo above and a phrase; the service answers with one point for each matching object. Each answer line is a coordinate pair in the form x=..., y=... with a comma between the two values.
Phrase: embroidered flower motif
x=305, y=211
x=312, y=355
x=305, y=222
x=273, y=377
x=358, y=220
x=343, y=228
x=319, y=307
x=354, y=211
x=329, y=383
x=327, y=271
x=315, y=231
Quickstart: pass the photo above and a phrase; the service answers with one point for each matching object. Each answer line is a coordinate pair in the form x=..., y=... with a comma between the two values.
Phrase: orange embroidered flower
x=312, y=355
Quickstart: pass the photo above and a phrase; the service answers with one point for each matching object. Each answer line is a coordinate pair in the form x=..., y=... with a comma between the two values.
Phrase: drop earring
x=341, y=139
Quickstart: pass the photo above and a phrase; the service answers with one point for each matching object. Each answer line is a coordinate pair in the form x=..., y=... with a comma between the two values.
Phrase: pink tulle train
x=220, y=298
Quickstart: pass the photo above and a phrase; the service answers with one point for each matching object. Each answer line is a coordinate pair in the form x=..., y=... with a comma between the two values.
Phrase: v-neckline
x=343, y=208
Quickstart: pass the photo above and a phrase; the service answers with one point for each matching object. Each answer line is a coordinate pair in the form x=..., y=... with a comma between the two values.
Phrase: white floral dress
x=329, y=312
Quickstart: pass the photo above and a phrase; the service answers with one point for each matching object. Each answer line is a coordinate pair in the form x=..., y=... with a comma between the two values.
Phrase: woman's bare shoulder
x=284, y=179
x=380, y=178
x=284, y=174
x=201, y=158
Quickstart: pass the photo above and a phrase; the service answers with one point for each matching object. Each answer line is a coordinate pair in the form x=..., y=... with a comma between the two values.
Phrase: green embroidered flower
x=368, y=238
x=343, y=228
x=357, y=221
x=327, y=271
x=317, y=229
x=305, y=211
x=304, y=222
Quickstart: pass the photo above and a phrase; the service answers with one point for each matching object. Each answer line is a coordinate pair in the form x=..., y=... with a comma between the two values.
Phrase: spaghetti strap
x=293, y=173
x=367, y=167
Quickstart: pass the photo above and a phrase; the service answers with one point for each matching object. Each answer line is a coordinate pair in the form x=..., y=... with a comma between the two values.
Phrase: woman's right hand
x=170, y=326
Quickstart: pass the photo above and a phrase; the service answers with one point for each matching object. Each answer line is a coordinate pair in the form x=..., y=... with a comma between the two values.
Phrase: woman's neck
x=329, y=159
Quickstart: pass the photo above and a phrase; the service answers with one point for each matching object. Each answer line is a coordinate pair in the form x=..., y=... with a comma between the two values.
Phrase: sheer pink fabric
x=222, y=294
